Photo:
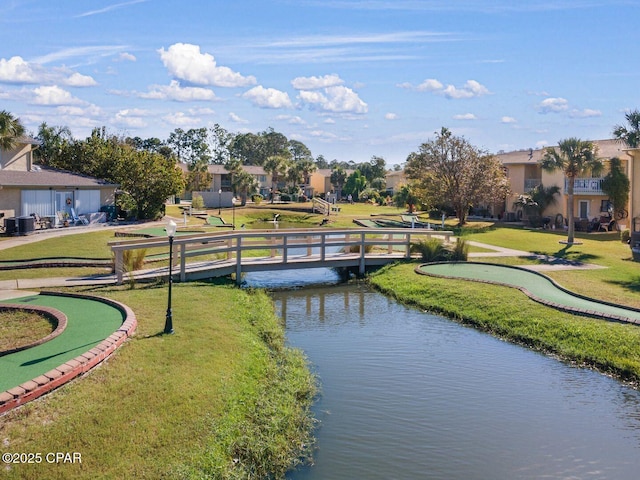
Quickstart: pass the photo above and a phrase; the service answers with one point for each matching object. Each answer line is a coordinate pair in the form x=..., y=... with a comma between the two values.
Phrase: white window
x=38, y=201
x=87, y=201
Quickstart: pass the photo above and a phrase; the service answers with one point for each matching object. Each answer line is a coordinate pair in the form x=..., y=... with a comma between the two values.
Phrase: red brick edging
x=71, y=369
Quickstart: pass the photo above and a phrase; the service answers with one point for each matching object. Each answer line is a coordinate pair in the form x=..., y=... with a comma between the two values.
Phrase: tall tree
x=52, y=142
x=575, y=158
x=450, y=171
x=248, y=148
x=617, y=186
x=631, y=135
x=11, y=129
x=338, y=178
x=277, y=166
x=356, y=183
x=220, y=141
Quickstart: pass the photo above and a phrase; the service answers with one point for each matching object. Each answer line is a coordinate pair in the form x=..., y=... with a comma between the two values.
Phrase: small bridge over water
x=206, y=255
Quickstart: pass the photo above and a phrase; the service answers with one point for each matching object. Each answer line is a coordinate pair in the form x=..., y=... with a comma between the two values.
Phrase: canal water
x=409, y=395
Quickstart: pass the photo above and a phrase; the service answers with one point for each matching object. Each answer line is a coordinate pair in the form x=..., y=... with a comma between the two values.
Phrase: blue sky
x=349, y=78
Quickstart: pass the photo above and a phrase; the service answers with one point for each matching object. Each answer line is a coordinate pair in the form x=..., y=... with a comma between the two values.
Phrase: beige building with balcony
x=524, y=173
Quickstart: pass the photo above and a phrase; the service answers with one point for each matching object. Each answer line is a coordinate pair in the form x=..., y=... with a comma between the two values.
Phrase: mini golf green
x=537, y=285
x=89, y=322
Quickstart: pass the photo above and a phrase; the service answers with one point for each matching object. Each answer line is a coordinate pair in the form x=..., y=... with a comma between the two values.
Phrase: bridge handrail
x=276, y=242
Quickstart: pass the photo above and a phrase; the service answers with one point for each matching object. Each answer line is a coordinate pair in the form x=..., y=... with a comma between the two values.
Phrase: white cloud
x=83, y=111
x=338, y=99
x=237, y=119
x=470, y=89
x=54, y=95
x=553, y=105
x=78, y=80
x=185, y=62
x=175, y=92
x=268, y=97
x=465, y=116
x=391, y=116
x=430, y=85
x=586, y=113
x=313, y=83
x=128, y=57
x=132, y=118
x=16, y=70
x=179, y=119
x=506, y=119
x=291, y=119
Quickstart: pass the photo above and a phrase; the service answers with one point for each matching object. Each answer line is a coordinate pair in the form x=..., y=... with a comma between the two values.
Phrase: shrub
x=433, y=250
x=257, y=198
x=625, y=235
x=197, y=202
x=430, y=250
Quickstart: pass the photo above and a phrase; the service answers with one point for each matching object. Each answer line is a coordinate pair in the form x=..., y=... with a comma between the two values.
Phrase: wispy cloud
x=109, y=8
x=66, y=53
x=496, y=6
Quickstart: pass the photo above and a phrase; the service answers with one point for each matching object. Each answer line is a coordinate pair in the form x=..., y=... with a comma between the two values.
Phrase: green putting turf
x=536, y=284
x=88, y=323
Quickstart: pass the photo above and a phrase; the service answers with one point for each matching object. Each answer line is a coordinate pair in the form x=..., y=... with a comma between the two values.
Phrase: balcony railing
x=585, y=186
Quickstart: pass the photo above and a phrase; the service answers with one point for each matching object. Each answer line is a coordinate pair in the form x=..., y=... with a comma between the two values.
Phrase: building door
x=583, y=208
x=64, y=203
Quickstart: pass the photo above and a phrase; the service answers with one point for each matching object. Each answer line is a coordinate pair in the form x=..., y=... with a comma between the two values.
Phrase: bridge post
x=183, y=262
x=285, y=249
x=408, y=246
x=119, y=267
x=239, y=259
x=362, y=268
x=323, y=246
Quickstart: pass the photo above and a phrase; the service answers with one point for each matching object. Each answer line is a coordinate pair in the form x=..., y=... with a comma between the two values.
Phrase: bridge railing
x=278, y=248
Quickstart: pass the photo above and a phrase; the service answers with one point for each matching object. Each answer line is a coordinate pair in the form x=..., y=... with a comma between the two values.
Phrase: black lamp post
x=171, y=231
x=219, y=201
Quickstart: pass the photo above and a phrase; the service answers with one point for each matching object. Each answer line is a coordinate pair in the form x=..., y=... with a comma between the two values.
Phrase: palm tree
x=276, y=165
x=244, y=184
x=574, y=157
x=629, y=136
x=11, y=130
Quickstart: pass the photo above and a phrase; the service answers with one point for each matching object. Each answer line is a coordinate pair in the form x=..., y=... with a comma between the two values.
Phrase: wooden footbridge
x=206, y=255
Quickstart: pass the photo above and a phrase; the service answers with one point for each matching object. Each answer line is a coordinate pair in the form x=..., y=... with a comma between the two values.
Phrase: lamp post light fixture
x=219, y=201
x=171, y=231
x=233, y=206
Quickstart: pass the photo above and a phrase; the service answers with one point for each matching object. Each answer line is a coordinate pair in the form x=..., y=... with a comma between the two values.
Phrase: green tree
x=11, y=129
x=248, y=148
x=52, y=143
x=617, y=187
x=147, y=180
x=356, y=183
x=449, y=171
x=220, y=141
x=277, y=166
x=575, y=158
x=406, y=196
x=631, y=135
x=338, y=178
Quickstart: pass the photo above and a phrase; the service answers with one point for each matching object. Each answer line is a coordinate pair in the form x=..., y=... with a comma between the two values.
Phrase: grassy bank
x=612, y=348
x=221, y=398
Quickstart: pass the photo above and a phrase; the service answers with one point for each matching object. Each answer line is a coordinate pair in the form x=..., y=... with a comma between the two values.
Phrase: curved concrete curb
x=558, y=306
x=51, y=313
x=71, y=369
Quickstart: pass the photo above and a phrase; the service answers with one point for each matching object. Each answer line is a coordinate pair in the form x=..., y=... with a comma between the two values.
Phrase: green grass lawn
x=221, y=398
x=19, y=328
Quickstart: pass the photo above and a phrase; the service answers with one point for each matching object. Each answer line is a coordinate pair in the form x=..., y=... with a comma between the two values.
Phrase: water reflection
x=409, y=395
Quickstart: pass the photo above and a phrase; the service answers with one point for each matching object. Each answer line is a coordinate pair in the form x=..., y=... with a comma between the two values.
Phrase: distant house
x=524, y=173
x=320, y=182
x=394, y=180
x=26, y=188
x=220, y=191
